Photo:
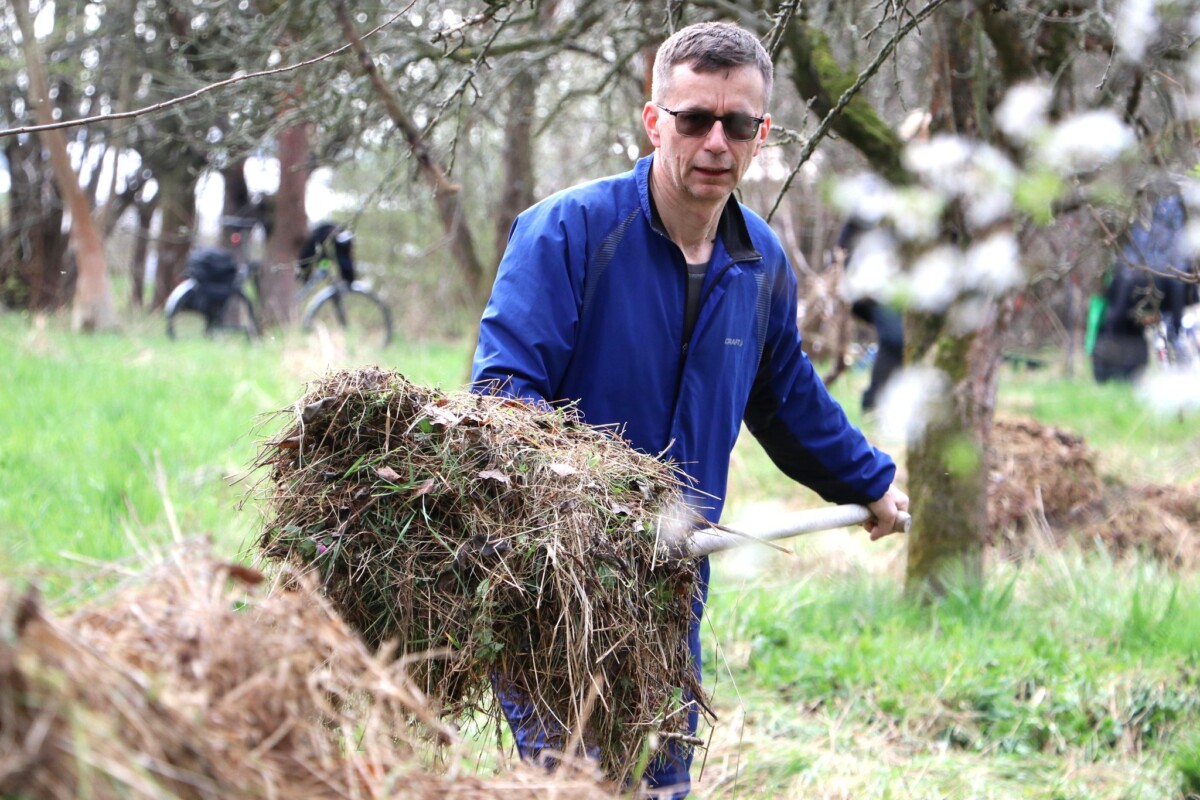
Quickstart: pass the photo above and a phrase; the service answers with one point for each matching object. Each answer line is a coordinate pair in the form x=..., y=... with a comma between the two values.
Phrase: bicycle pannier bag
x=215, y=270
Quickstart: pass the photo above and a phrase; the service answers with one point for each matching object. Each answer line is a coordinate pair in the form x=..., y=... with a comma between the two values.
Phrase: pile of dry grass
x=1162, y=522
x=190, y=682
x=517, y=542
x=1046, y=478
x=1038, y=473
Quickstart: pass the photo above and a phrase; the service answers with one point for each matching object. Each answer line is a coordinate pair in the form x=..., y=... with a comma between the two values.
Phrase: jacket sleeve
x=528, y=328
x=800, y=426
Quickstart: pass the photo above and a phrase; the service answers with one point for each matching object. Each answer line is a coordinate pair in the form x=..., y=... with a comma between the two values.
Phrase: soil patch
x=1045, y=478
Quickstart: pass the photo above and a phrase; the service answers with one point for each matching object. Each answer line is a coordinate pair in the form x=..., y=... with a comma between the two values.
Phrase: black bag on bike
x=215, y=271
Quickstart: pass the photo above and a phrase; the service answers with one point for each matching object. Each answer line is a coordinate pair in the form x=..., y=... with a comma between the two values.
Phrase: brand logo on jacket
x=734, y=342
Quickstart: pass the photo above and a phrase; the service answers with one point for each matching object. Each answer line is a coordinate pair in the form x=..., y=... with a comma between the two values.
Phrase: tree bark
x=177, y=202
x=141, y=249
x=447, y=196
x=946, y=484
x=947, y=467
x=236, y=201
x=822, y=81
x=277, y=282
x=33, y=245
x=92, y=308
x=517, y=194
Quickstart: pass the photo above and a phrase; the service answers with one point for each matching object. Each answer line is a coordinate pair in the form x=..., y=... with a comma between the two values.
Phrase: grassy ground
x=1067, y=676
x=112, y=443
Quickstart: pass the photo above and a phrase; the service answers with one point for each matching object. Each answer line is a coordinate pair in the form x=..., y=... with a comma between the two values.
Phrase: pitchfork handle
x=713, y=540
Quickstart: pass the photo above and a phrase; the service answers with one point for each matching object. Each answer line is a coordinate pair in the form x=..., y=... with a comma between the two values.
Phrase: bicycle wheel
x=350, y=316
x=184, y=309
x=189, y=315
x=237, y=318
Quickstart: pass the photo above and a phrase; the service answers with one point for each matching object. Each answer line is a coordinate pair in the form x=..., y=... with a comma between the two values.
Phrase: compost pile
x=191, y=681
x=1045, y=478
x=513, y=545
x=1039, y=472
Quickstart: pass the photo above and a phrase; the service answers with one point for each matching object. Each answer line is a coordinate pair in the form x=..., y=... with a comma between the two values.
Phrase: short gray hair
x=711, y=47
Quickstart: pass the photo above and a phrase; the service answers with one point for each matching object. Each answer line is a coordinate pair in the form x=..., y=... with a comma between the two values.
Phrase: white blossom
x=865, y=197
x=912, y=397
x=1191, y=238
x=970, y=313
x=1137, y=25
x=1086, y=141
x=958, y=167
x=993, y=264
x=990, y=191
x=935, y=279
x=915, y=213
x=941, y=162
x=874, y=267
x=1022, y=113
x=1171, y=391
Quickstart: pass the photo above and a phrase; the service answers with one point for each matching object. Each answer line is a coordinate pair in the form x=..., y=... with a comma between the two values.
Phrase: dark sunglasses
x=736, y=127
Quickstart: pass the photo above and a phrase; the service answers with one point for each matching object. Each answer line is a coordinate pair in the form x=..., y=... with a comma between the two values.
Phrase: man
x=660, y=304
x=887, y=322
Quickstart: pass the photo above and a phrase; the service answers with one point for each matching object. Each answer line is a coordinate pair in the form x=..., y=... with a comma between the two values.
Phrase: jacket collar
x=731, y=227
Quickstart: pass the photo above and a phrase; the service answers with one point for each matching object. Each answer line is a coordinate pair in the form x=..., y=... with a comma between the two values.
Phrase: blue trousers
x=668, y=775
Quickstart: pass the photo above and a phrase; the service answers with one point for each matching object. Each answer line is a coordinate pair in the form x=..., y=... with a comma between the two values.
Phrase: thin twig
x=175, y=101
x=849, y=94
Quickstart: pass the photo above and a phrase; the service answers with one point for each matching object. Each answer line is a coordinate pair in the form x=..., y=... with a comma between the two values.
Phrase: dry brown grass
x=1044, y=480
x=517, y=542
x=192, y=681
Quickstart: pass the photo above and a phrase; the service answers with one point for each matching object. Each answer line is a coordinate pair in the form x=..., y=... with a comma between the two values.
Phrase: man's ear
x=763, y=130
x=650, y=119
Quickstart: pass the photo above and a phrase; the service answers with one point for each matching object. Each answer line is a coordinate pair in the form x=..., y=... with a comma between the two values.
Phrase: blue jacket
x=588, y=306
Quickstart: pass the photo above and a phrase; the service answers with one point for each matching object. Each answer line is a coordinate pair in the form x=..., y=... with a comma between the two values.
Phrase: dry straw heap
x=515, y=545
x=190, y=681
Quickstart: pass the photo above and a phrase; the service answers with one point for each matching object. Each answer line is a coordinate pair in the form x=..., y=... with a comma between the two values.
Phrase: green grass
x=1069, y=676
x=1134, y=440
x=103, y=433
x=1068, y=663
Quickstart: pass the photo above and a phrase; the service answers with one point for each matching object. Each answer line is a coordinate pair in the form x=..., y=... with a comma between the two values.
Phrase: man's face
x=705, y=168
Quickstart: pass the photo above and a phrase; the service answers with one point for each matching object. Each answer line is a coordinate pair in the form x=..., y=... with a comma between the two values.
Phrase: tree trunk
x=447, y=195
x=141, y=248
x=517, y=194
x=289, y=227
x=947, y=467
x=946, y=475
x=33, y=245
x=93, y=307
x=236, y=202
x=177, y=202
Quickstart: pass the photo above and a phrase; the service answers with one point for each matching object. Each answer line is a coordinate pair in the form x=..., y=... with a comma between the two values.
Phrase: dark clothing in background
x=887, y=322
x=1143, y=284
x=332, y=241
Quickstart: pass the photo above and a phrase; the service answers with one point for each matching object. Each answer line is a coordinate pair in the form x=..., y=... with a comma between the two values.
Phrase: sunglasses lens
x=740, y=127
x=694, y=123
x=737, y=127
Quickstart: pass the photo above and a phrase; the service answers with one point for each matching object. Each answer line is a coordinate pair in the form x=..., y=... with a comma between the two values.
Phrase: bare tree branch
x=175, y=101
x=848, y=95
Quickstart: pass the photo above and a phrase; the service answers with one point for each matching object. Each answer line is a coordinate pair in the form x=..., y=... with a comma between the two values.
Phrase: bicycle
x=343, y=308
x=212, y=309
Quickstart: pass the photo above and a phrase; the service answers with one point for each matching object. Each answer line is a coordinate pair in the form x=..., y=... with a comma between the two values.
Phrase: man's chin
x=713, y=185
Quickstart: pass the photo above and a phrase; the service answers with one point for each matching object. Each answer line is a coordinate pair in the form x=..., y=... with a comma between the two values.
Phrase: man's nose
x=715, y=140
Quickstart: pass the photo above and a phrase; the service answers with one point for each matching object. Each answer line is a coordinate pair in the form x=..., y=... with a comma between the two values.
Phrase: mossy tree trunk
x=821, y=80
x=947, y=466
